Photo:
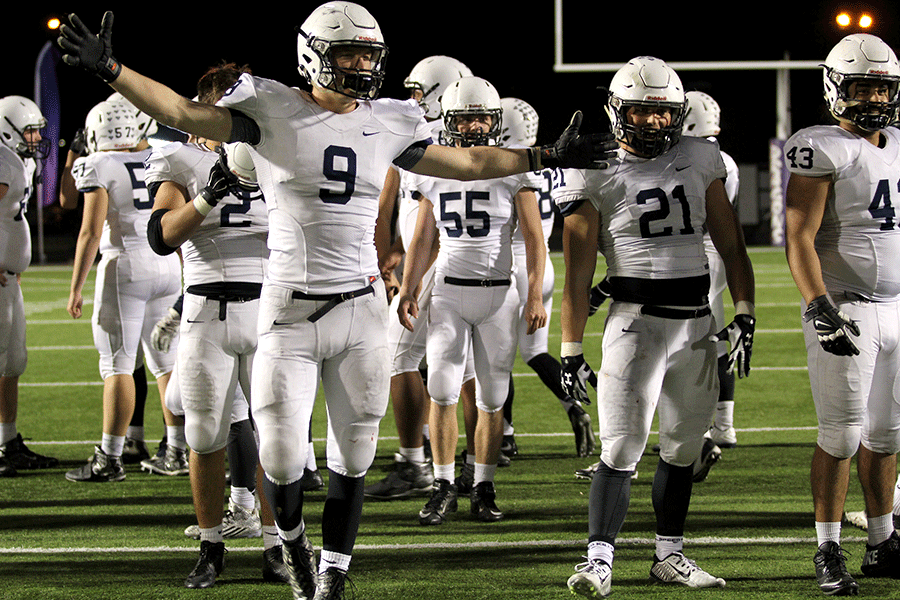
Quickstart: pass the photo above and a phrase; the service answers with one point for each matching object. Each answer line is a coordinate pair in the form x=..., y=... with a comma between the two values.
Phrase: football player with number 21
x=648, y=213
x=321, y=155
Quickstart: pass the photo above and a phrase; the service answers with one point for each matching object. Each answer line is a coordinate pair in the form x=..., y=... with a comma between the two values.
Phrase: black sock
x=608, y=506
x=342, y=512
x=286, y=502
x=548, y=370
x=671, y=497
x=243, y=454
x=726, y=380
x=140, y=396
x=507, y=406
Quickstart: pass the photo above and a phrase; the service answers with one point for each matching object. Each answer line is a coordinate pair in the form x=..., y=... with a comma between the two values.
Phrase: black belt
x=224, y=293
x=330, y=300
x=476, y=282
x=675, y=313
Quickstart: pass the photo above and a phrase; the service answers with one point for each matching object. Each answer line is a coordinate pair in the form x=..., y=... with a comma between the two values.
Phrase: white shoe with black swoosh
x=677, y=568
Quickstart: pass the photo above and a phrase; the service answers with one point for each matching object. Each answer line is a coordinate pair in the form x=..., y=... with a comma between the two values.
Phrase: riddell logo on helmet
x=657, y=98
x=366, y=38
x=878, y=72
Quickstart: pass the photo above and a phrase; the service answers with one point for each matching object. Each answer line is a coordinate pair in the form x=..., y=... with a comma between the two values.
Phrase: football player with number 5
x=842, y=244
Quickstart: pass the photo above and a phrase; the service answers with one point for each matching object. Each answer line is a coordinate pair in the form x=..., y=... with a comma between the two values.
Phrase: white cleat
x=593, y=580
x=857, y=518
x=677, y=568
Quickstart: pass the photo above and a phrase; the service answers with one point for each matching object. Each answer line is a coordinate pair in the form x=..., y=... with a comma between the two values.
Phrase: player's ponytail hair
x=216, y=81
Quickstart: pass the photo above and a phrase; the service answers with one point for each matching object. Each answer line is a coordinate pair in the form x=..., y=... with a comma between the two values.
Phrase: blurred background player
x=703, y=119
x=519, y=130
x=22, y=150
x=659, y=354
x=473, y=305
x=412, y=474
x=134, y=286
x=842, y=244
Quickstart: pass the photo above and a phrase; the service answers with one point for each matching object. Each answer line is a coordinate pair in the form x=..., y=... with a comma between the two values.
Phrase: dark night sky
x=511, y=47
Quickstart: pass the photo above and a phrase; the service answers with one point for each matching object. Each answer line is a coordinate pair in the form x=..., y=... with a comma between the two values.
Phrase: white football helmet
x=861, y=57
x=237, y=158
x=646, y=82
x=150, y=125
x=18, y=114
x=471, y=96
x=113, y=126
x=520, y=123
x=337, y=24
x=433, y=75
x=703, y=116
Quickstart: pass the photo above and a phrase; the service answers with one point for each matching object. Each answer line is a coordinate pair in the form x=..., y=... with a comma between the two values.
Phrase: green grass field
x=750, y=521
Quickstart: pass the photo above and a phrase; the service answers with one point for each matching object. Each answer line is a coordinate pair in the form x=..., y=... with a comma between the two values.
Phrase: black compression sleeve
x=155, y=234
x=243, y=128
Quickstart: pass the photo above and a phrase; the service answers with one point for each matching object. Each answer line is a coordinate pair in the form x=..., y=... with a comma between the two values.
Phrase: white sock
x=294, y=534
x=112, y=445
x=270, y=537
x=213, y=534
x=828, y=532
x=8, y=432
x=413, y=455
x=329, y=558
x=484, y=472
x=175, y=436
x=243, y=497
x=666, y=545
x=725, y=415
x=880, y=528
x=601, y=551
x=447, y=472
x=897, y=497
x=310, y=457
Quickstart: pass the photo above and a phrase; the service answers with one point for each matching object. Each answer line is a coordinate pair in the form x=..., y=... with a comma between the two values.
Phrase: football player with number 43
x=649, y=211
x=842, y=244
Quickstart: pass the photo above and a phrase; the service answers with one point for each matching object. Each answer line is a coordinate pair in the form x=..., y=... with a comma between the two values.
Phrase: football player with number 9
x=842, y=243
x=323, y=154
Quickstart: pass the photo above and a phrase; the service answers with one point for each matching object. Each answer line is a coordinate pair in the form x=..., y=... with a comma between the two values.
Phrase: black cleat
x=134, y=451
x=831, y=571
x=273, y=566
x=21, y=458
x=466, y=480
x=311, y=481
x=208, y=567
x=484, y=505
x=441, y=504
x=300, y=563
x=508, y=446
x=883, y=560
x=331, y=584
x=585, y=442
x=407, y=479
x=709, y=455
x=6, y=469
x=101, y=468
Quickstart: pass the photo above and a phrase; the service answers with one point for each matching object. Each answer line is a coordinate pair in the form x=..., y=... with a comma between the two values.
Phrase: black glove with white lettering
x=220, y=181
x=574, y=377
x=740, y=337
x=575, y=151
x=831, y=327
x=93, y=53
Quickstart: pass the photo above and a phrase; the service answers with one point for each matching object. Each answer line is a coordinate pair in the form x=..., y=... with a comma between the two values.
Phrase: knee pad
x=624, y=453
x=882, y=441
x=839, y=442
x=351, y=451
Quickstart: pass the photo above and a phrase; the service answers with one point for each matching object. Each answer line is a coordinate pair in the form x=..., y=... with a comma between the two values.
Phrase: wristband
x=202, y=206
x=744, y=307
x=570, y=349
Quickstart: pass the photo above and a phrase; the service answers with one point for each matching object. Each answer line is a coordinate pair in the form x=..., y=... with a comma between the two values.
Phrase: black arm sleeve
x=408, y=159
x=155, y=234
x=243, y=128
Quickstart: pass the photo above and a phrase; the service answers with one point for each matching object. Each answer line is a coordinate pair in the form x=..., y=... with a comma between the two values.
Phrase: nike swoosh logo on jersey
x=368, y=133
x=278, y=323
x=677, y=169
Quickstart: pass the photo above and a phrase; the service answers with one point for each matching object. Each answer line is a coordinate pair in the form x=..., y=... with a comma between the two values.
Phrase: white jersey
x=230, y=244
x=858, y=240
x=732, y=185
x=475, y=221
x=542, y=182
x=321, y=175
x=18, y=174
x=121, y=174
x=652, y=211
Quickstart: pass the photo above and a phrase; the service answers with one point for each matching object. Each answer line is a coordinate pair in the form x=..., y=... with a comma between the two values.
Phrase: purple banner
x=46, y=96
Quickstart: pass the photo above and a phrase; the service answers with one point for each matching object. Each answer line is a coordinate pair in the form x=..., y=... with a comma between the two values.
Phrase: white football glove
x=165, y=331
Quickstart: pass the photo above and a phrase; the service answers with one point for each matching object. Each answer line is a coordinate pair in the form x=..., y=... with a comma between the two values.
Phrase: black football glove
x=574, y=377
x=831, y=327
x=740, y=338
x=574, y=151
x=599, y=294
x=79, y=143
x=220, y=180
x=93, y=53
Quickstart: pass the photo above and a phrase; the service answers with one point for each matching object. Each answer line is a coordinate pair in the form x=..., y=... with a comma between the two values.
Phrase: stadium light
x=845, y=19
x=865, y=21
x=53, y=23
